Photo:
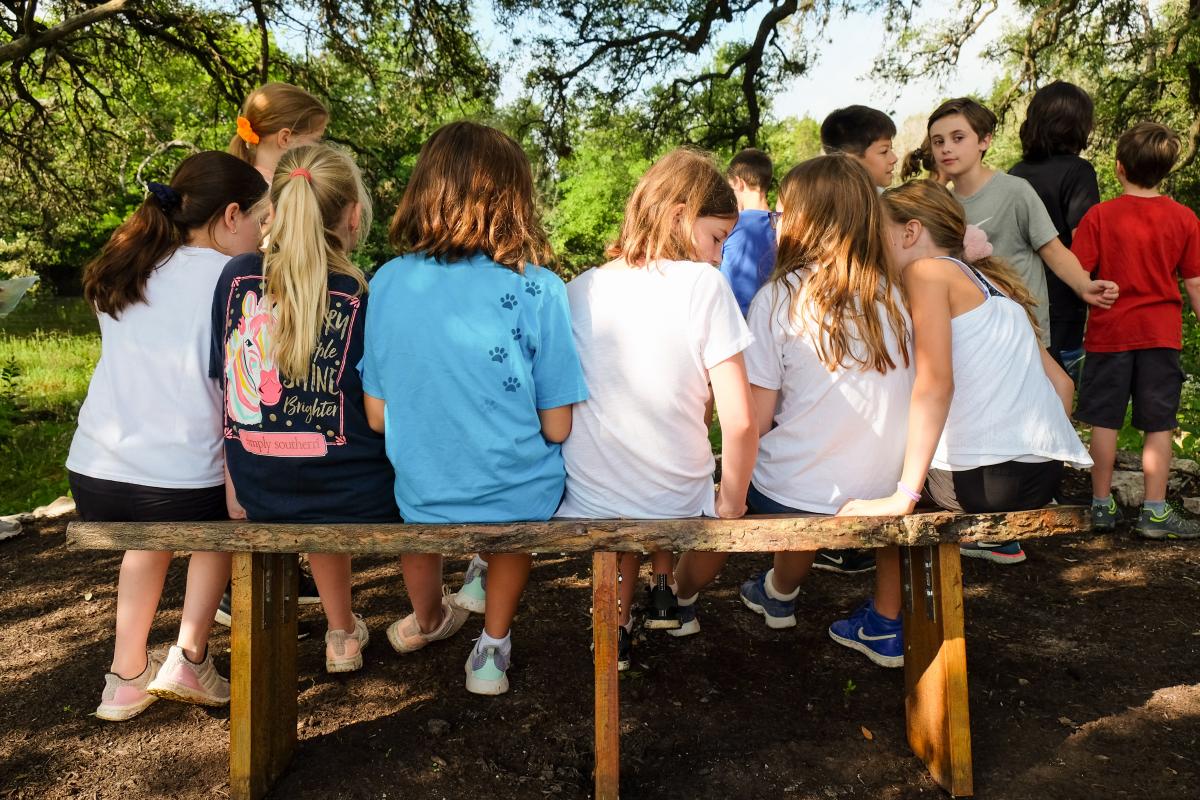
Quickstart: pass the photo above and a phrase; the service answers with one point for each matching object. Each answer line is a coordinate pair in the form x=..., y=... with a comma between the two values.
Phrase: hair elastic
x=914, y=496
x=245, y=131
x=168, y=199
x=975, y=244
x=301, y=172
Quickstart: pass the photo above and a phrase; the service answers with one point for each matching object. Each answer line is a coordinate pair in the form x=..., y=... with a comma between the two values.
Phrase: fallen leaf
x=87, y=596
x=866, y=732
x=1070, y=723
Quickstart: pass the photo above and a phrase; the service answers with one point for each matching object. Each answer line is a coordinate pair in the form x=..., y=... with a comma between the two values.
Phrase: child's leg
x=696, y=570
x=423, y=579
x=662, y=562
x=630, y=564
x=208, y=574
x=887, y=582
x=791, y=568
x=331, y=571
x=507, y=575
x=139, y=588
x=1104, y=458
x=1156, y=465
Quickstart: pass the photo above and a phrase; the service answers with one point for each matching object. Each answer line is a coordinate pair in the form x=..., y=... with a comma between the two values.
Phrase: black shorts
x=1008, y=486
x=1153, y=378
x=98, y=500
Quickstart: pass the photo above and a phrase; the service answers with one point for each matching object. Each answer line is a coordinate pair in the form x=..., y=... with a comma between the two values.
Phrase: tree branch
x=32, y=41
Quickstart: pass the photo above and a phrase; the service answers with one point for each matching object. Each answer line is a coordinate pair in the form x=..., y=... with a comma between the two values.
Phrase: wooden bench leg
x=608, y=707
x=262, y=716
x=935, y=665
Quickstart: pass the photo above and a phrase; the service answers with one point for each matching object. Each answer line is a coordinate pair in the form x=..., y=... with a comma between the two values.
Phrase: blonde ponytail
x=312, y=188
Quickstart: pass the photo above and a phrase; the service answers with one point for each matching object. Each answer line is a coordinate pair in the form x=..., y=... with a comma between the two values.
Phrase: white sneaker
x=198, y=684
x=487, y=671
x=343, y=651
x=125, y=698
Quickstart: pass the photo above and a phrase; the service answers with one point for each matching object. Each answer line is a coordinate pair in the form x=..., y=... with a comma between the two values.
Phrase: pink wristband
x=914, y=496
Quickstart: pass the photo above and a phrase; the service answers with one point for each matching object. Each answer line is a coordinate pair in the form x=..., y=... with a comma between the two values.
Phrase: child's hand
x=232, y=505
x=897, y=505
x=729, y=510
x=1100, y=293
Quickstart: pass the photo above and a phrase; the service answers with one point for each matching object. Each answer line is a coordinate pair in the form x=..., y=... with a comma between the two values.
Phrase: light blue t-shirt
x=464, y=354
x=748, y=255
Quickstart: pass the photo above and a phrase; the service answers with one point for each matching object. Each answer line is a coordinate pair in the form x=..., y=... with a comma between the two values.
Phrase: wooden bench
x=263, y=669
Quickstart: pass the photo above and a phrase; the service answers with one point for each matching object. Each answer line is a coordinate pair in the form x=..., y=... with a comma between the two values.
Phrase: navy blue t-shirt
x=297, y=450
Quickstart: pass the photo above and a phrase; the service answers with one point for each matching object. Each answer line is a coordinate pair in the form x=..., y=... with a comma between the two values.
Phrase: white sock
x=478, y=562
x=683, y=601
x=775, y=594
x=504, y=645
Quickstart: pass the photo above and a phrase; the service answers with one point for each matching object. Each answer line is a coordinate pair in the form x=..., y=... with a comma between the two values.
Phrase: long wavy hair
x=652, y=229
x=932, y=205
x=833, y=267
x=471, y=191
x=305, y=247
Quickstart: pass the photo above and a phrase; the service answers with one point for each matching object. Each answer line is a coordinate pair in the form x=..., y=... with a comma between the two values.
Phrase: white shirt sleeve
x=764, y=358
x=722, y=333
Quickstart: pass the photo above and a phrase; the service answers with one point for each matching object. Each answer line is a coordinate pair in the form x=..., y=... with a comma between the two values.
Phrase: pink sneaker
x=405, y=635
x=126, y=698
x=198, y=684
x=343, y=651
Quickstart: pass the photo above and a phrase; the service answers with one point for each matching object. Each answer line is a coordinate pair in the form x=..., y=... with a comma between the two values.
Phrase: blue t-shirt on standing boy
x=748, y=255
x=465, y=354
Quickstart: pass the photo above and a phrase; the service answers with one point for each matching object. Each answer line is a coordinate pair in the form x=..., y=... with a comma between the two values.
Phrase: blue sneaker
x=487, y=671
x=1007, y=553
x=878, y=638
x=777, y=613
x=688, y=624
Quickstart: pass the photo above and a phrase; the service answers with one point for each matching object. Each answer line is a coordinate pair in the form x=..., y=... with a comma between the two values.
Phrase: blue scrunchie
x=168, y=199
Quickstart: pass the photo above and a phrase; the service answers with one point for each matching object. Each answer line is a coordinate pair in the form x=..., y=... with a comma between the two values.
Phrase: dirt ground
x=1084, y=681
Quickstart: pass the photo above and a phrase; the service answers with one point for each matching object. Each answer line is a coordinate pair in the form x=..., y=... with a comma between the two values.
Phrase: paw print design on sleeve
x=511, y=384
x=516, y=334
x=532, y=289
x=509, y=301
x=251, y=374
x=498, y=354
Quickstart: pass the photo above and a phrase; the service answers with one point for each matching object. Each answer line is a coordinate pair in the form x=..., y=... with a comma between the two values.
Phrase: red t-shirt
x=1144, y=244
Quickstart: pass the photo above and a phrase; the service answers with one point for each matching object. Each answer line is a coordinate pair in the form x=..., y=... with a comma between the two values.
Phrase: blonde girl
x=275, y=118
x=655, y=326
x=288, y=333
x=148, y=447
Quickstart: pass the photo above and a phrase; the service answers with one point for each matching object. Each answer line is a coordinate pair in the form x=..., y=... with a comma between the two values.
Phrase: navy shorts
x=98, y=500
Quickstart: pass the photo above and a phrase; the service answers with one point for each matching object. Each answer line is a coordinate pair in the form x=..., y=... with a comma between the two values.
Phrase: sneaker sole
x=623, y=665
x=309, y=601
x=476, y=605
x=120, y=714
x=994, y=557
x=686, y=629
x=183, y=694
x=662, y=624
x=841, y=571
x=1159, y=536
x=346, y=665
x=488, y=688
x=775, y=623
x=223, y=618
x=891, y=662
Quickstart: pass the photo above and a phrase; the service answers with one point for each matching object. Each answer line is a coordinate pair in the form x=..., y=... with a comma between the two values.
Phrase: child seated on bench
x=287, y=332
x=471, y=369
x=989, y=404
x=654, y=326
x=829, y=370
x=148, y=447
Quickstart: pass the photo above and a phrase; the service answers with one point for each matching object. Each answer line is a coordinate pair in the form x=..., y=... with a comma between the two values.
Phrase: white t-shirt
x=839, y=435
x=152, y=416
x=647, y=337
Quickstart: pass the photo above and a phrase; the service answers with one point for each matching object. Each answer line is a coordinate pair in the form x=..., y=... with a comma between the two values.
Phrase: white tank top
x=1004, y=406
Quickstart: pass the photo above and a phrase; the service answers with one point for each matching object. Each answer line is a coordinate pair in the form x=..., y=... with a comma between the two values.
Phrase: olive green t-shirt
x=1017, y=224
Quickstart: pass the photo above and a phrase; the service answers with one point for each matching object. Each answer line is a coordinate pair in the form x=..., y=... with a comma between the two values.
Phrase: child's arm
x=1192, y=285
x=739, y=434
x=1066, y=266
x=376, y=409
x=232, y=506
x=933, y=388
x=556, y=423
x=765, y=403
x=1064, y=387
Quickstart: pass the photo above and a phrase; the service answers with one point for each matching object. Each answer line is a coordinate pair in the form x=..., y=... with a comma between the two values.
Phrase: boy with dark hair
x=748, y=254
x=1146, y=242
x=866, y=134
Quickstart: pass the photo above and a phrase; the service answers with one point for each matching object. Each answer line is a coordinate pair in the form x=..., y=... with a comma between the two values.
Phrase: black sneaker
x=624, y=649
x=662, y=610
x=847, y=562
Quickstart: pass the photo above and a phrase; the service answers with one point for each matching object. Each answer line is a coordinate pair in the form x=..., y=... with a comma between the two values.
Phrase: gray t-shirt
x=1017, y=224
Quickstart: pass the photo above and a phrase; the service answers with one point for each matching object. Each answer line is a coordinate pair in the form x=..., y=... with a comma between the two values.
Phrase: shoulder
x=543, y=277
x=241, y=266
x=1013, y=184
x=931, y=270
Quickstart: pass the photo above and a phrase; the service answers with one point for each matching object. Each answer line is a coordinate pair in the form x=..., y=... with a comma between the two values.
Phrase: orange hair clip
x=245, y=132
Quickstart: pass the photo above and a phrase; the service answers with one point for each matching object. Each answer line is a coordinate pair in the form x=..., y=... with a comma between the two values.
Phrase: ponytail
x=311, y=190
x=271, y=108
x=203, y=186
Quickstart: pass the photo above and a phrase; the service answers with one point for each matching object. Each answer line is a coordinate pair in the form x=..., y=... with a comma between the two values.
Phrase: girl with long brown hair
x=148, y=445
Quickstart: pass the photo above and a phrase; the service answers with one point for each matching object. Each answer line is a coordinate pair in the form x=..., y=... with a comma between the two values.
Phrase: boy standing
x=748, y=255
x=1145, y=242
x=865, y=134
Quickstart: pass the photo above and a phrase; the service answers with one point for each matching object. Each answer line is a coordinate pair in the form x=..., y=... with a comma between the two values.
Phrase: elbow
x=556, y=435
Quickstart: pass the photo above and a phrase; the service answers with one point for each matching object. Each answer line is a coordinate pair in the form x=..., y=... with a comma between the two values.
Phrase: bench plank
x=747, y=535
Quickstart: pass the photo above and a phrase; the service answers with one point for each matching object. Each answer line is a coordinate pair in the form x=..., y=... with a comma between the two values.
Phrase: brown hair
x=932, y=205
x=203, y=186
x=273, y=107
x=1148, y=151
x=305, y=247
x=754, y=167
x=651, y=229
x=854, y=129
x=1058, y=122
x=471, y=191
x=831, y=238
x=980, y=118
x=918, y=160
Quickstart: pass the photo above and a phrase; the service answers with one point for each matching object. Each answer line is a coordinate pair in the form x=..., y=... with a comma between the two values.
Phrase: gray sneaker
x=1168, y=525
x=1105, y=518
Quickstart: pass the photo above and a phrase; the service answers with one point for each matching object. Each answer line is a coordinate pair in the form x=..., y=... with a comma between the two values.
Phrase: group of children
x=862, y=346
